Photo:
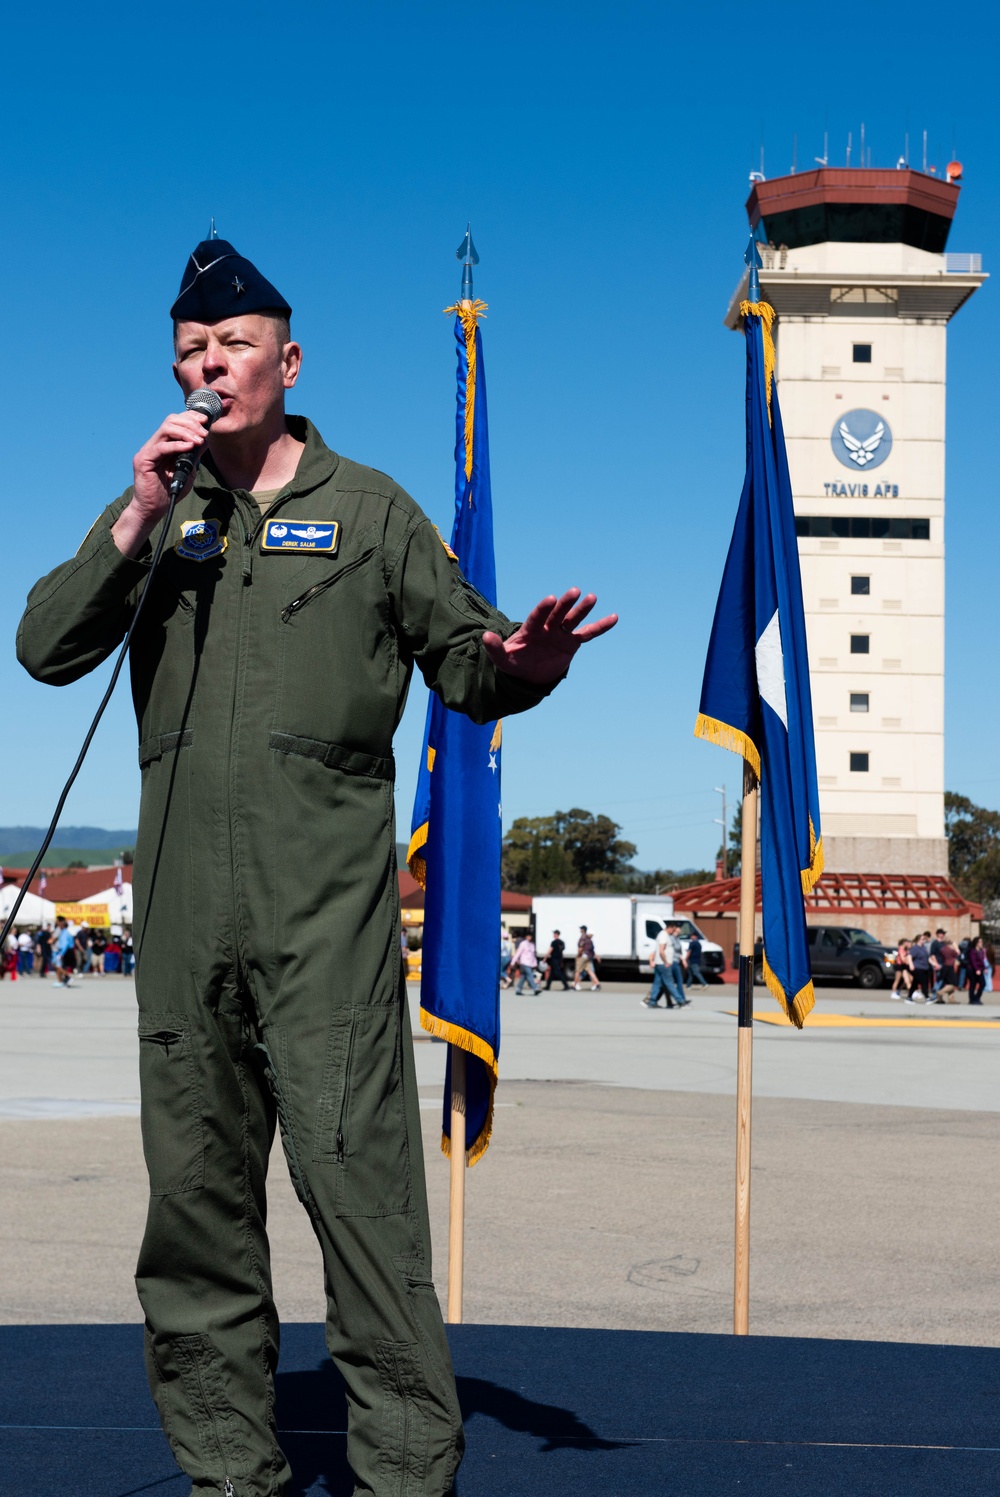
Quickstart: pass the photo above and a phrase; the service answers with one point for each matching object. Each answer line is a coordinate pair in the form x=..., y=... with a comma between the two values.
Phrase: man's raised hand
x=541, y=649
x=154, y=463
x=153, y=469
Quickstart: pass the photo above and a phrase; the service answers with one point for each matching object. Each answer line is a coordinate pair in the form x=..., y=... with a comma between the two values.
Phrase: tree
x=973, y=847
x=571, y=850
x=593, y=843
x=533, y=858
x=664, y=880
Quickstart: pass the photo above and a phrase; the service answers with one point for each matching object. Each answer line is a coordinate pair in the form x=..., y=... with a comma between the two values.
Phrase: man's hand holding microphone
x=164, y=468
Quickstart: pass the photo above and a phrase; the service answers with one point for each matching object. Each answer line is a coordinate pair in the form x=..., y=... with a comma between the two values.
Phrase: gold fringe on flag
x=466, y=1040
x=414, y=861
x=497, y=738
x=726, y=737
x=765, y=312
x=817, y=860
x=470, y=313
x=799, y=1006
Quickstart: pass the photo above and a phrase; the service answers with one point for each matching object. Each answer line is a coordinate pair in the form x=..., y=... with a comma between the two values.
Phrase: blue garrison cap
x=218, y=283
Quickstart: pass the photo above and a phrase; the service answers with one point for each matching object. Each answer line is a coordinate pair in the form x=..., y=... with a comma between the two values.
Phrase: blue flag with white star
x=755, y=696
x=456, y=833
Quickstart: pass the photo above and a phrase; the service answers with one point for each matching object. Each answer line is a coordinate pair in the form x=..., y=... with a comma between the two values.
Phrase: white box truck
x=625, y=928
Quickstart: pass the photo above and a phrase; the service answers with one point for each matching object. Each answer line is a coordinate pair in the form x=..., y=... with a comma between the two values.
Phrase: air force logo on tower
x=861, y=440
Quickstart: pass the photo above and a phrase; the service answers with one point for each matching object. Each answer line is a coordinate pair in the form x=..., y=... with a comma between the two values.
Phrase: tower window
x=861, y=586
x=859, y=644
x=868, y=527
x=859, y=701
x=859, y=763
x=862, y=353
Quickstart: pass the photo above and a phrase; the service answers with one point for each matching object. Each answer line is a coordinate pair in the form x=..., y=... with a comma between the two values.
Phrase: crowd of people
x=937, y=970
x=676, y=965
x=521, y=963
x=66, y=952
x=925, y=969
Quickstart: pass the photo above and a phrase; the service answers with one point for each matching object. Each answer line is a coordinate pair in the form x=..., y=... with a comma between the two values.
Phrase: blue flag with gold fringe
x=455, y=842
x=755, y=696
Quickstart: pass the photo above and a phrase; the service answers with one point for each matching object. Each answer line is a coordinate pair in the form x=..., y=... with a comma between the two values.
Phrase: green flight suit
x=267, y=686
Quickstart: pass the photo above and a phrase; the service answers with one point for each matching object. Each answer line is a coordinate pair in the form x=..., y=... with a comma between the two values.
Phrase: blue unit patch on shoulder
x=200, y=540
x=301, y=535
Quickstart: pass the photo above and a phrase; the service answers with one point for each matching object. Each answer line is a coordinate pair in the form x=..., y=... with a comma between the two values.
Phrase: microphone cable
x=208, y=404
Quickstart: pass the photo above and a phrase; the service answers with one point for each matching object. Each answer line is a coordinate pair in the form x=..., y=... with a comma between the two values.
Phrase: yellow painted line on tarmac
x=858, y=1021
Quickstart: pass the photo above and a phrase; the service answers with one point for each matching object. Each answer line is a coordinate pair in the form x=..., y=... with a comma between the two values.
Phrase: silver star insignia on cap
x=239, y=285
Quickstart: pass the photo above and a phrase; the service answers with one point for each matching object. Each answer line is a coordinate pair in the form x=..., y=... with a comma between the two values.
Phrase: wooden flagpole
x=456, y=1214
x=744, y=1055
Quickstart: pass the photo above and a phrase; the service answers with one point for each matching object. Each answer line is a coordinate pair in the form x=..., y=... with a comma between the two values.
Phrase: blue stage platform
x=552, y=1412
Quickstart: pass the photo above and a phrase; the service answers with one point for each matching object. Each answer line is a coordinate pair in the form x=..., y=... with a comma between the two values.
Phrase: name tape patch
x=200, y=540
x=301, y=535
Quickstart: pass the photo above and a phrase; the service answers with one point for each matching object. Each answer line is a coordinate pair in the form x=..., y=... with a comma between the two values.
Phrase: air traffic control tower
x=856, y=268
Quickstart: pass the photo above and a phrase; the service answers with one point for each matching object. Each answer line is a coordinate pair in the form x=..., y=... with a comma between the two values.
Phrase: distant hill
x=81, y=844
x=14, y=840
x=62, y=857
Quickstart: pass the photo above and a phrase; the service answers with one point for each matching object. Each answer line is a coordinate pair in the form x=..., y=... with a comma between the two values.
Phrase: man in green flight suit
x=269, y=671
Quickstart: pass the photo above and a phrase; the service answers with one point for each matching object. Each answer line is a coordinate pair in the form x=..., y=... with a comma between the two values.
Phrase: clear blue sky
x=602, y=153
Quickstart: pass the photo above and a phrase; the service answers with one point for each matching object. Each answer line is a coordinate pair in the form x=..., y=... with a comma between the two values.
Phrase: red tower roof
x=868, y=205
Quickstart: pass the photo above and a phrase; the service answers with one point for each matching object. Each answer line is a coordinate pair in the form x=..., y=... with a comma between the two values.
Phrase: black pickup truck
x=843, y=951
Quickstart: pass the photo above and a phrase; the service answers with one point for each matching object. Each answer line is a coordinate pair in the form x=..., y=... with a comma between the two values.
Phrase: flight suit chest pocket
x=360, y=1123
x=173, y=1139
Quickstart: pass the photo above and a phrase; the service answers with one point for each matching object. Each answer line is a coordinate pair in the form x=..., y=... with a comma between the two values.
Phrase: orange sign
x=84, y=914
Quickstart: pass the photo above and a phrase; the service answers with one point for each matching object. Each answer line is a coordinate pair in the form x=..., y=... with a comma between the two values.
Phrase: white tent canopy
x=119, y=909
x=34, y=910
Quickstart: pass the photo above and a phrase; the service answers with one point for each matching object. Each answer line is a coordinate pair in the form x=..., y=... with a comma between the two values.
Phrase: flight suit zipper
x=292, y=608
x=404, y=1444
x=239, y=665
x=342, y=1114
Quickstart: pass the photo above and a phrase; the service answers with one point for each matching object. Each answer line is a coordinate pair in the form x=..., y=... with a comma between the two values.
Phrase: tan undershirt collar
x=264, y=498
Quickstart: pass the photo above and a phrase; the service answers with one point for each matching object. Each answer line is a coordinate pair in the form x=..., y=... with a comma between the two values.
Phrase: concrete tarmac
x=606, y=1197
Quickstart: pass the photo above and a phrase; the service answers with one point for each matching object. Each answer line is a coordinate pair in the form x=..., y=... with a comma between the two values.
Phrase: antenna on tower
x=862, y=142
x=925, y=153
x=848, y=162
x=795, y=151
x=824, y=160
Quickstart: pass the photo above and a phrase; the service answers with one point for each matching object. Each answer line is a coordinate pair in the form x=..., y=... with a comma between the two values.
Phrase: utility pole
x=721, y=790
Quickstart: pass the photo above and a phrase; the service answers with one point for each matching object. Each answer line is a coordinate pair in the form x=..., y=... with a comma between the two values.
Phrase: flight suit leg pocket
x=173, y=1136
x=360, y=1123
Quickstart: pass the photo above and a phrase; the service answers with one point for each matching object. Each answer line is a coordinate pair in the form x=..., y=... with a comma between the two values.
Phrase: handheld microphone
x=207, y=404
